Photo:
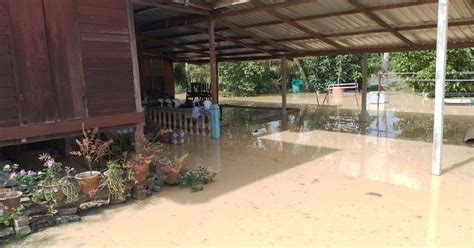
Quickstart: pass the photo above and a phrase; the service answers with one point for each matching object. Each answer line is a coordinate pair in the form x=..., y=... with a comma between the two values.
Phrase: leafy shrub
x=195, y=179
x=423, y=64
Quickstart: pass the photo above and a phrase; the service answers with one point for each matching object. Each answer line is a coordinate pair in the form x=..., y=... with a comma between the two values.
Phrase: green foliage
x=7, y=218
x=254, y=78
x=424, y=65
x=180, y=79
x=123, y=143
x=249, y=78
x=114, y=180
x=195, y=179
x=324, y=70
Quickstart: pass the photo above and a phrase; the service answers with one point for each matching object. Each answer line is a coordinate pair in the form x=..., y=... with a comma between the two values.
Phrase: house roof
x=267, y=29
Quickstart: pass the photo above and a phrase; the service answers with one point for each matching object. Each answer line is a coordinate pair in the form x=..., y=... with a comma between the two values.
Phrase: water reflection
x=412, y=126
x=305, y=137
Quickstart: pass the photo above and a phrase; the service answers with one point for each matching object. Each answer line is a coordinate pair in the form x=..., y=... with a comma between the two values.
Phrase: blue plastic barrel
x=297, y=85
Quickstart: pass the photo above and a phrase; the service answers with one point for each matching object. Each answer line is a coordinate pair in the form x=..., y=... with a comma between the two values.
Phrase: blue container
x=297, y=85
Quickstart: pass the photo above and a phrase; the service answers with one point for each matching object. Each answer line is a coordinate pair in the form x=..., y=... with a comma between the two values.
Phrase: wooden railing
x=176, y=118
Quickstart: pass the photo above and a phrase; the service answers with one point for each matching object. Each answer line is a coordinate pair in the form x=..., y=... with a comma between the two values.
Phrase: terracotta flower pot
x=58, y=193
x=172, y=177
x=10, y=200
x=140, y=173
x=88, y=182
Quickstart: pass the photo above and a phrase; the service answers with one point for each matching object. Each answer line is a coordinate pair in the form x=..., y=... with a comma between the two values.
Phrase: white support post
x=441, y=52
x=363, y=112
x=284, y=82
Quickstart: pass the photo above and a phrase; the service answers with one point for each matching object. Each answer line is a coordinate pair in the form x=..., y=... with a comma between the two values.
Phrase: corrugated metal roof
x=278, y=31
x=341, y=23
x=337, y=19
x=369, y=40
x=308, y=45
x=316, y=8
x=455, y=34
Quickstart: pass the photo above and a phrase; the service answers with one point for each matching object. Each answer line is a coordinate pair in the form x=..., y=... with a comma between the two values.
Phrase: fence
x=175, y=118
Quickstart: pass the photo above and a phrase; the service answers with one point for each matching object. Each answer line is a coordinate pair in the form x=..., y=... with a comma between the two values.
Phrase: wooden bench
x=344, y=89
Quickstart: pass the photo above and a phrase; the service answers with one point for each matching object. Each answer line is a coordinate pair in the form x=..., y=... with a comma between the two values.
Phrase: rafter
x=174, y=6
x=298, y=26
x=230, y=39
x=382, y=30
x=341, y=52
x=340, y=34
x=171, y=44
x=195, y=20
x=257, y=36
x=379, y=21
x=227, y=3
x=262, y=8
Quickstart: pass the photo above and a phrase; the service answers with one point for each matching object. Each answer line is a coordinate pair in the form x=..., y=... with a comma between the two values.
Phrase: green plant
x=91, y=148
x=114, y=180
x=195, y=179
x=44, y=198
x=418, y=69
x=7, y=218
x=42, y=187
x=123, y=143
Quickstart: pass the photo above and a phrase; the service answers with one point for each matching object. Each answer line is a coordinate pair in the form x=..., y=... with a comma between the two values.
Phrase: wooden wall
x=106, y=55
x=65, y=61
x=158, y=75
x=9, y=115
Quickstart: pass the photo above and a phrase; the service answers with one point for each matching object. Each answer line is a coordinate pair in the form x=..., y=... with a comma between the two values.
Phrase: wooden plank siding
x=64, y=63
x=9, y=115
x=106, y=55
x=32, y=69
x=65, y=58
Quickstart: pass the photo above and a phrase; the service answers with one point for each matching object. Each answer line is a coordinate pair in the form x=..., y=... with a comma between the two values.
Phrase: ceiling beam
x=341, y=34
x=379, y=21
x=196, y=20
x=144, y=10
x=342, y=52
x=230, y=39
x=174, y=6
x=173, y=45
x=159, y=55
x=227, y=3
x=298, y=26
x=262, y=8
x=222, y=48
x=257, y=36
x=382, y=30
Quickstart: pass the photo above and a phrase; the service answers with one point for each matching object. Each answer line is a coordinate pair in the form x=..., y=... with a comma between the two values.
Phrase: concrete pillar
x=441, y=53
x=214, y=109
x=284, y=82
x=363, y=112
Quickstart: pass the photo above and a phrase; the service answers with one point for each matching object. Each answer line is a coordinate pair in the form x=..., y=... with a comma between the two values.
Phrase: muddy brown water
x=315, y=178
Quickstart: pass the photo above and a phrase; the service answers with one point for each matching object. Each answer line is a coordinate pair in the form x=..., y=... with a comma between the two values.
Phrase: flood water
x=317, y=177
x=389, y=124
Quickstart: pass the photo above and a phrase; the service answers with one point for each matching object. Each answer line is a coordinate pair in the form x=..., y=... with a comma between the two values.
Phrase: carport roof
x=268, y=29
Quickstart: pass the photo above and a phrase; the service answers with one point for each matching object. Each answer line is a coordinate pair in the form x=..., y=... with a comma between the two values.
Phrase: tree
x=249, y=78
x=418, y=69
x=324, y=70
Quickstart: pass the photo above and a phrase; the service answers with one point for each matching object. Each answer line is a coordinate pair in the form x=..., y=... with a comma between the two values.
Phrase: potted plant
x=54, y=178
x=173, y=171
x=195, y=179
x=50, y=178
x=6, y=218
x=91, y=149
x=10, y=199
x=140, y=169
x=115, y=182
